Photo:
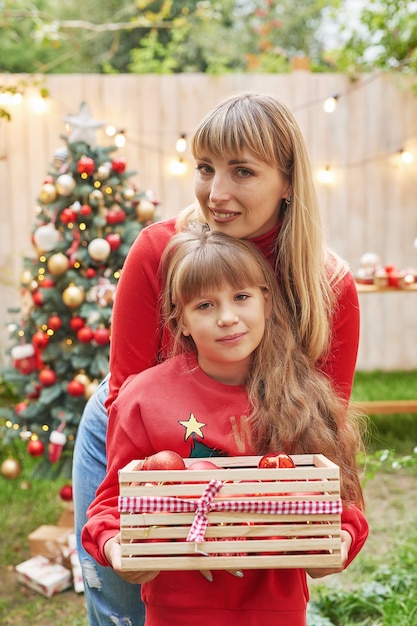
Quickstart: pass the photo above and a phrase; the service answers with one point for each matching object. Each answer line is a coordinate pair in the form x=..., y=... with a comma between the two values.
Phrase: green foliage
x=386, y=38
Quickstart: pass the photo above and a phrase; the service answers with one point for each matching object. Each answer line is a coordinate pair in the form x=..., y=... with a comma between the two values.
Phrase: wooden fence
x=371, y=205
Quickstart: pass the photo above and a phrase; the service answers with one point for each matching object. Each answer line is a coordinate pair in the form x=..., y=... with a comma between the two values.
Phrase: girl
x=253, y=181
x=240, y=384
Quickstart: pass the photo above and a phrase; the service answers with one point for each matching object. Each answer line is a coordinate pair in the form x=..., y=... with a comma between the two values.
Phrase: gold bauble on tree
x=65, y=184
x=145, y=211
x=47, y=193
x=11, y=469
x=58, y=264
x=73, y=296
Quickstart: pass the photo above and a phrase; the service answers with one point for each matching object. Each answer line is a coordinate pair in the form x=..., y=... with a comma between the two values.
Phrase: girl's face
x=226, y=325
x=241, y=197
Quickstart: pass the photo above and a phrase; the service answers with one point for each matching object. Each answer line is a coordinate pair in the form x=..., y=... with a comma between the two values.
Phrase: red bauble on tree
x=40, y=339
x=85, y=334
x=76, y=323
x=115, y=215
x=114, y=241
x=37, y=298
x=118, y=165
x=66, y=493
x=85, y=210
x=102, y=336
x=86, y=166
x=35, y=447
x=75, y=388
x=47, y=377
x=68, y=215
x=54, y=322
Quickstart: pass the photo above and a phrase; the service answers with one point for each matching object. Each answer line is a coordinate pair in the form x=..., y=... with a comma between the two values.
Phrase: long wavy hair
x=308, y=272
x=294, y=407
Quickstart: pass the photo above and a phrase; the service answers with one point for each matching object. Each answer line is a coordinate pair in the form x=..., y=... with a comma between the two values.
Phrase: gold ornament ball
x=73, y=296
x=26, y=277
x=65, y=184
x=47, y=193
x=82, y=378
x=96, y=197
x=103, y=171
x=145, y=211
x=128, y=193
x=99, y=249
x=11, y=469
x=58, y=264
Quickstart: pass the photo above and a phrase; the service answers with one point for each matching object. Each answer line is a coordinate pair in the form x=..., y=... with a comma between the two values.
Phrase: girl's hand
x=319, y=572
x=113, y=554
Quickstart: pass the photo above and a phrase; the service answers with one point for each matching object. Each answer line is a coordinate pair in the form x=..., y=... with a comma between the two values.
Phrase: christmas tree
x=87, y=217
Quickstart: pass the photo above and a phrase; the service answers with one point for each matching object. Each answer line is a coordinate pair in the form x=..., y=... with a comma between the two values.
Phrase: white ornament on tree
x=99, y=249
x=46, y=237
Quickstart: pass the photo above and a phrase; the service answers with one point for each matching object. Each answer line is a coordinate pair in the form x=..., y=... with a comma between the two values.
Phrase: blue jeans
x=110, y=600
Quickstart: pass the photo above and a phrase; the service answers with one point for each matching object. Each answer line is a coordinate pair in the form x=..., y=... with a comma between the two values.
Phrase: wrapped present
x=51, y=542
x=44, y=576
x=77, y=577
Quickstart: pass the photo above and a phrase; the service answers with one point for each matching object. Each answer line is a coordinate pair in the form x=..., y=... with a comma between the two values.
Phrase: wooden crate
x=303, y=531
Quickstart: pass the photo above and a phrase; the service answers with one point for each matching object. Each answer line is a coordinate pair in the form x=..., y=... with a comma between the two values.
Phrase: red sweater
x=177, y=406
x=137, y=336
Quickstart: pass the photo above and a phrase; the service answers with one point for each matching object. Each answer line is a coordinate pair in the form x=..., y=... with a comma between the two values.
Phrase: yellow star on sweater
x=192, y=427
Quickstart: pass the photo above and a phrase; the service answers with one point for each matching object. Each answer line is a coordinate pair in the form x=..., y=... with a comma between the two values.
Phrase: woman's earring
x=288, y=201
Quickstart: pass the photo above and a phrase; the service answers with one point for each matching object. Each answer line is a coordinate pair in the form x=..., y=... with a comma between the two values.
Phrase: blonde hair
x=308, y=273
x=294, y=407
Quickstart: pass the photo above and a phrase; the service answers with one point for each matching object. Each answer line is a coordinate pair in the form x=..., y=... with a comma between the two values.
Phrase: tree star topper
x=83, y=126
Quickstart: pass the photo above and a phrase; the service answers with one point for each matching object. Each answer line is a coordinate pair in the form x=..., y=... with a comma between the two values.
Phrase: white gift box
x=44, y=576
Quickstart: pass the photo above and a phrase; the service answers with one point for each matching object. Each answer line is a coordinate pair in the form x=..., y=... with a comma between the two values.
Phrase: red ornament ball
x=68, y=215
x=76, y=323
x=85, y=334
x=90, y=272
x=86, y=165
x=102, y=336
x=35, y=447
x=65, y=493
x=20, y=407
x=118, y=165
x=47, y=377
x=40, y=339
x=115, y=216
x=86, y=210
x=37, y=298
x=54, y=322
x=75, y=388
x=114, y=241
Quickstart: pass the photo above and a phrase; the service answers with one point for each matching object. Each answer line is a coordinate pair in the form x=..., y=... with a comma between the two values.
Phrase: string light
x=181, y=143
x=110, y=131
x=38, y=104
x=120, y=139
x=330, y=103
x=325, y=175
x=406, y=156
x=177, y=167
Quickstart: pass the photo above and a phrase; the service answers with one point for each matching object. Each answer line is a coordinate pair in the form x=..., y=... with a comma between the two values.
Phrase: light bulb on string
x=120, y=139
x=178, y=167
x=406, y=156
x=330, y=103
x=110, y=131
x=181, y=144
x=325, y=175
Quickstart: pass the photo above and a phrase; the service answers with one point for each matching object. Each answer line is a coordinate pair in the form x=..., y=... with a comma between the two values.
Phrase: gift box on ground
x=77, y=577
x=44, y=576
x=67, y=516
x=51, y=542
x=236, y=517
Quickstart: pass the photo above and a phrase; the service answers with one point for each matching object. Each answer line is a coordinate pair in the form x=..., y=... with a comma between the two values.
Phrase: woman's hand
x=113, y=554
x=319, y=572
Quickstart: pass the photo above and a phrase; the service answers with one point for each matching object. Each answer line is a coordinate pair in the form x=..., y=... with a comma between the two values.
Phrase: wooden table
x=376, y=407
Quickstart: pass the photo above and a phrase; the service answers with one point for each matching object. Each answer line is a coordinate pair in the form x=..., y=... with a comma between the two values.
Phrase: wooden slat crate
x=296, y=536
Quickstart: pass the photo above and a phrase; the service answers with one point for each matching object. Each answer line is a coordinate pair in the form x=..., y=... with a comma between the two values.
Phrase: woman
x=253, y=181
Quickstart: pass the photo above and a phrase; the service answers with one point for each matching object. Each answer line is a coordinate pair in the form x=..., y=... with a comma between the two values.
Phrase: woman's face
x=241, y=197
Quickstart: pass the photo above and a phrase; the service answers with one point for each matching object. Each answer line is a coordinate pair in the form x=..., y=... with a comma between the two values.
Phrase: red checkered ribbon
x=205, y=504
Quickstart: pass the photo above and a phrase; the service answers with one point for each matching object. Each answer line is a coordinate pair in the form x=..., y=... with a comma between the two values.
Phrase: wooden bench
x=377, y=407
